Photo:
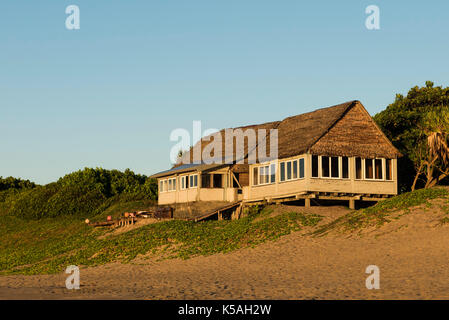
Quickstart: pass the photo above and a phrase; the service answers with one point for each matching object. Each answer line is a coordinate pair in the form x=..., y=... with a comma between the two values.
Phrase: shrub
x=82, y=193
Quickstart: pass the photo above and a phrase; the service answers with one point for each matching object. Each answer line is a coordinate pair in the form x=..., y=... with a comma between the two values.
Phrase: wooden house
x=334, y=153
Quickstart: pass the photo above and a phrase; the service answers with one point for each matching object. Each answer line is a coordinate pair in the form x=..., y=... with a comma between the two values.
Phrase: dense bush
x=82, y=193
x=10, y=187
x=14, y=183
x=402, y=120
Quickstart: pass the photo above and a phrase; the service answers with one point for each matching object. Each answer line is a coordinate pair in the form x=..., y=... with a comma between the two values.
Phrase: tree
x=432, y=153
x=403, y=122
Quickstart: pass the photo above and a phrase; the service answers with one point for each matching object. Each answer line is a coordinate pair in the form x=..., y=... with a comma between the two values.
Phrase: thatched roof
x=189, y=156
x=345, y=129
x=187, y=168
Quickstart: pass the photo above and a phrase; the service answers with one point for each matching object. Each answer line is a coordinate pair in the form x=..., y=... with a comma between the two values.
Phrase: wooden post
x=352, y=204
x=220, y=216
x=307, y=202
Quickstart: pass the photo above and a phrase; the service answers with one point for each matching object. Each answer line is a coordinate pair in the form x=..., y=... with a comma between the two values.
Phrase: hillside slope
x=406, y=237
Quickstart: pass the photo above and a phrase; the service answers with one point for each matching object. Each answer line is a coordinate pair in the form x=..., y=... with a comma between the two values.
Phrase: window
x=193, y=181
x=218, y=181
x=272, y=173
x=167, y=185
x=314, y=166
x=289, y=169
x=205, y=180
x=325, y=167
x=172, y=184
x=335, y=170
x=161, y=186
x=345, y=167
x=378, y=169
x=183, y=185
x=295, y=169
x=261, y=175
x=301, y=168
x=330, y=167
x=388, y=169
x=358, y=168
x=264, y=174
x=369, y=169
x=235, y=184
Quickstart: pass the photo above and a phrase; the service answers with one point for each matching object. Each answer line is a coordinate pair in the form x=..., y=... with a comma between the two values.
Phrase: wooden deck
x=307, y=196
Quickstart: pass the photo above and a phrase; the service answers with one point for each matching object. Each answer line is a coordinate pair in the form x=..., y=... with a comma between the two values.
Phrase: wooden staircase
x=219, y=212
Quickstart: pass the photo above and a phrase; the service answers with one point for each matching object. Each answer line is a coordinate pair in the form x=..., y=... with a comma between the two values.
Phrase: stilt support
x=307, y=202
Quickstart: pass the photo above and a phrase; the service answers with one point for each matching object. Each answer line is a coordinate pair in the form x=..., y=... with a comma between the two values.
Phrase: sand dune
x=412, y=254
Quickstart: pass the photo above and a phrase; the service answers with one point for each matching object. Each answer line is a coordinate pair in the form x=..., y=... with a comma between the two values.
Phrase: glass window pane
x=273, y=173
x=334, y=168
x=378, y=168
x=195, y=177
x=282, y=169
x=267, y=174
x=388, y=167
x=301, y=168
x=358, y=168
x=345, y=167
x=315, y=166
x=369, y=168
x=255, y=180
x=295, y=169
x=325, y=166
x=289, y=170
x=261, y=179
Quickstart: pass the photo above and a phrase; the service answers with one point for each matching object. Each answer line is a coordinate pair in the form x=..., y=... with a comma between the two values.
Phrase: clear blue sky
x=110, y=93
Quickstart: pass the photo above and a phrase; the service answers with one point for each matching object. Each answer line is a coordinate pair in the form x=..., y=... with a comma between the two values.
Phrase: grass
x=380, y=213
x=50, y=245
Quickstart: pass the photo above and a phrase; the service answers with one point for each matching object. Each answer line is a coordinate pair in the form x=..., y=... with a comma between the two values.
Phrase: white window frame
x=298, y=171
x=166, y=185
x=384, y=169
x=318, y=169
x=374, y=170
x=349, y=167
x=362, y=163
x=192, y=178
x=182, y=182
x=340, y=168
x=391, y=169
x=161, y=186
x=265, y=166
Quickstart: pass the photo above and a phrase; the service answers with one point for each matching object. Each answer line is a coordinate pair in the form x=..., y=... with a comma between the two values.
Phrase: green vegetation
x=49, y=245
x=380, y=213
x=84, y=193
x=14, y=183
x=405, y=122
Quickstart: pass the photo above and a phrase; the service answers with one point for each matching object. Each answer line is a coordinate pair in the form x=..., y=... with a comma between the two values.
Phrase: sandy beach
x=412, y=255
